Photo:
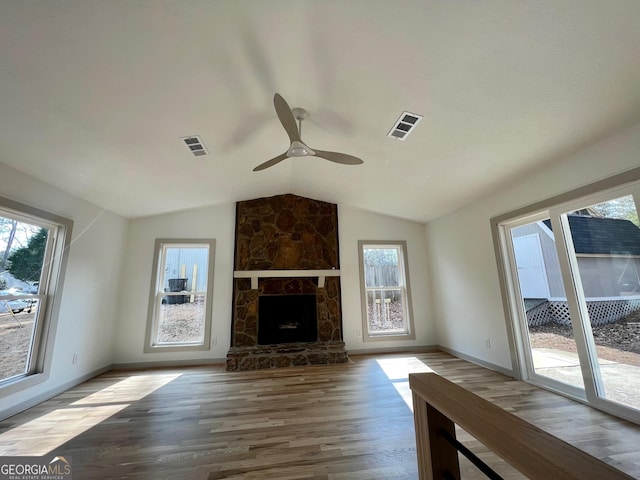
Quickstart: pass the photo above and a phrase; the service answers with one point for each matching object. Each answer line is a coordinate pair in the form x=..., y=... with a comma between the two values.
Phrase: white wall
x=209, y=222
x=88, y=302
x=466, y=294
x=219, y=223
x=354, y=225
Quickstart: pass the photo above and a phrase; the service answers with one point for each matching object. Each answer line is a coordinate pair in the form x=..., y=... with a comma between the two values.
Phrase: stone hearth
x=286, y=233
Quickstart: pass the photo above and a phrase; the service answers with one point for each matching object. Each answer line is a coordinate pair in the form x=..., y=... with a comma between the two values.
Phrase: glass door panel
x=546, y=330
x=605, y=239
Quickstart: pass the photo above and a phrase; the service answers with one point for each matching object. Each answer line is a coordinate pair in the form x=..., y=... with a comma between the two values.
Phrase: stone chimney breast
x=286, y=233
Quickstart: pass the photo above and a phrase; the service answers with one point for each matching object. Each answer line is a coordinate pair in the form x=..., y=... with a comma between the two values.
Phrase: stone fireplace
x=286, y=290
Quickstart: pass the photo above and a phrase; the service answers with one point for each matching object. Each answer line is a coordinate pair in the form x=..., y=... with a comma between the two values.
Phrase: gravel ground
x=14, y=342
x=181, y=323
x=617, y=342
x=392, y=320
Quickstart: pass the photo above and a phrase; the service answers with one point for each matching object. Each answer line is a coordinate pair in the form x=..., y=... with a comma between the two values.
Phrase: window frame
x=555, y=208
x=157, y=277
x=50, y=290
x=403, y=267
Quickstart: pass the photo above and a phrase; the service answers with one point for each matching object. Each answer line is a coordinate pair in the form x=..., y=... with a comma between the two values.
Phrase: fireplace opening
x=287, y=319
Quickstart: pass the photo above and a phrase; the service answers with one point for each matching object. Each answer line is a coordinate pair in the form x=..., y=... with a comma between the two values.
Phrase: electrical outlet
x=487, y=343
x=358, y=333
x=214, y=341
x=74, y=360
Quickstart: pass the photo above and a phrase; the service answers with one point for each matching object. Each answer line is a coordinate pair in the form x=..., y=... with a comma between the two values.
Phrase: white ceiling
x=96, y=95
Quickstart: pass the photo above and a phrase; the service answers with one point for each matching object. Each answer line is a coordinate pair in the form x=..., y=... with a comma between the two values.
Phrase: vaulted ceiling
x=96, y=96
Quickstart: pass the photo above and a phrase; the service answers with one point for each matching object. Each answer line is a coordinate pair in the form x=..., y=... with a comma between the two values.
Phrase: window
x=386, y=302
x=32, y=258
x=571, y=281
x=181, y=293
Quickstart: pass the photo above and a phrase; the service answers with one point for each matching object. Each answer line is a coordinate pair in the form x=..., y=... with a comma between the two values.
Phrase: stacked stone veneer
x=286, y=232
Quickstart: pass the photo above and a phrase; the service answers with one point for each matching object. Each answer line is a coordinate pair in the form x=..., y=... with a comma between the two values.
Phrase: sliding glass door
x=603, y=245
x=545, y=325
x=573, y=275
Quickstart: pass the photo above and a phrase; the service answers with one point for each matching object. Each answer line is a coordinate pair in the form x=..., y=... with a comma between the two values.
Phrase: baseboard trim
x=373, y=351
x=43, y=397
x=433, y=348
x=169, y=363
x=483, y=363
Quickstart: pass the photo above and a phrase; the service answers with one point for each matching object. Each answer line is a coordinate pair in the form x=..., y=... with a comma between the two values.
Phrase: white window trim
x=50, y=293
x=404, y=270
x=151, y=332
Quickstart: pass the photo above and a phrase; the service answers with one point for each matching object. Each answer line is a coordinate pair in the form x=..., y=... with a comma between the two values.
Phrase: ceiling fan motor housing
x=299, y=149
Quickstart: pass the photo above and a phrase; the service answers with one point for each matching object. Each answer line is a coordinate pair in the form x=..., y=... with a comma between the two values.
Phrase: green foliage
x=25, y=263
x=3, y=284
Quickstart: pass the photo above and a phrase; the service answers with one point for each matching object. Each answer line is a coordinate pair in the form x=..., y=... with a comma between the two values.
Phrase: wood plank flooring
x=337, y=422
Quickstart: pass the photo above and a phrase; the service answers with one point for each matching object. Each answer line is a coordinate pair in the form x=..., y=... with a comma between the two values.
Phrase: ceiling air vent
x=195, y=145
x=404, y=125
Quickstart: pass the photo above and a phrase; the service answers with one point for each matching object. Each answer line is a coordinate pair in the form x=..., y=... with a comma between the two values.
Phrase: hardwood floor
x=337, y=422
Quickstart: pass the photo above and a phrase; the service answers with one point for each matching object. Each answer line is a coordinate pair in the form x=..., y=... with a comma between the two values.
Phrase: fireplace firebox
x=287, y=319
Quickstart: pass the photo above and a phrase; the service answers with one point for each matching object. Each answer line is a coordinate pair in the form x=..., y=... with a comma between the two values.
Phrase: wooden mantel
x=254, y=275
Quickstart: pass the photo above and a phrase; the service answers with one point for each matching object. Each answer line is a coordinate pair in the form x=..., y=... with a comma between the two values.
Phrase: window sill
x=21, y=383
x=387, y=337
x=176, y=348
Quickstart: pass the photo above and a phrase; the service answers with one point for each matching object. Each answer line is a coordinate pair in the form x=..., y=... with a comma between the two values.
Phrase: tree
x=25, y=263
x=623, y=208
x=13, y=224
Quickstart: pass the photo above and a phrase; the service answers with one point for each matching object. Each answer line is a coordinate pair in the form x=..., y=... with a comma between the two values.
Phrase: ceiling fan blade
x=271, y=163
x=338, y=157
x=286, y=117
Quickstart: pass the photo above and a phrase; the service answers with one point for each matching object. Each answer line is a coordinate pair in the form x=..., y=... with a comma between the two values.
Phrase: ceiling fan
x=298, y=148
